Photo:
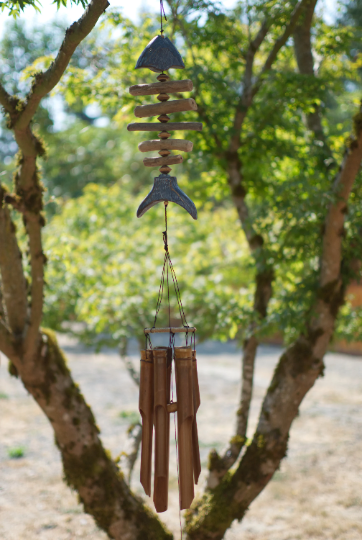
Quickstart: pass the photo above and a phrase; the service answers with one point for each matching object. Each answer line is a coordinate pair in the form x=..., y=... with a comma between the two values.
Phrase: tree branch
x=296, y=373
x=280, y=42
x=45, y=81
x=6, y=100
x=12, y=275
x=305, y=61
x=37, y=260
x=6, y=345
x=246, y=94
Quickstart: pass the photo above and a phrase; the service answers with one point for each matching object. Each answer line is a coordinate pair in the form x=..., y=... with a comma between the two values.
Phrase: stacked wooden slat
x=164, y=145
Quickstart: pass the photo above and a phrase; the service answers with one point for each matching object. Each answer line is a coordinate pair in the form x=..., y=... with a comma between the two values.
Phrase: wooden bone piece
x=166, y=87
x=146, y=410
x=156, y=161
x=170, y=144
x=185, y=417
x=171, y=126
x=162, y=357
x=179, y=105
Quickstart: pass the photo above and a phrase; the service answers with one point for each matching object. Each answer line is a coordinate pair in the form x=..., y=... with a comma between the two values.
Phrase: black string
x=167, y=263
x=162, y=10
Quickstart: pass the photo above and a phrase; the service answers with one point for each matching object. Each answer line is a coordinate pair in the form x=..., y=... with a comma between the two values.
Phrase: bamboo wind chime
x=156, y=397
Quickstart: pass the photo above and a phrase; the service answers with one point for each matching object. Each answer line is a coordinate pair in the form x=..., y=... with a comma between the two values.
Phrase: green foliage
x=16, y=7
x=112, y=262
x=16, y=453
x=287, y=174
x=85, y=154
x=130, y=416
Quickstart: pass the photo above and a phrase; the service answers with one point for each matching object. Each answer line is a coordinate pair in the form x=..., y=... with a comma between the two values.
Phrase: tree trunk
x=88, y=467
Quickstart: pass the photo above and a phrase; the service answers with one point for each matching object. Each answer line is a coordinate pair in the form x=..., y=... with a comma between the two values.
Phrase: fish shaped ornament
x=159, y=56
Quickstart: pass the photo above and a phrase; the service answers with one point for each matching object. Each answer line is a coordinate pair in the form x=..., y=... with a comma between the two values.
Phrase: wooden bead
x=164, y=153
x=163, y=77
x=163, y=97
x=171, y=144
x=170, y=87
x=172, y=126
x=155, y=161
x=165, y=169
x=164, y=135
x=163, y=118
x=178, y=105
x=172, y=407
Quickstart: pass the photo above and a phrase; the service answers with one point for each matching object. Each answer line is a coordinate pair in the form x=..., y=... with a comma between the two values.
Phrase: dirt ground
x=316, y=495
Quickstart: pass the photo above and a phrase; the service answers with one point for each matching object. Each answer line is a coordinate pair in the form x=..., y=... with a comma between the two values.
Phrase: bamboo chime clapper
x=155, y=399
x=159, y=56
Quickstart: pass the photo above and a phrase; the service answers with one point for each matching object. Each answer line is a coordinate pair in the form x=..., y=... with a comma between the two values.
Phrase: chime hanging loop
x=155, y=402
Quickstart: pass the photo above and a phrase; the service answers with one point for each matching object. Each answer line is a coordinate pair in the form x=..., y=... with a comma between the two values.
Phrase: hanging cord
x=167, y=263
x=163, y=14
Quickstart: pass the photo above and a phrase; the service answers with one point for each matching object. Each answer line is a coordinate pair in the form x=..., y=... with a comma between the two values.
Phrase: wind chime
x=156, y=395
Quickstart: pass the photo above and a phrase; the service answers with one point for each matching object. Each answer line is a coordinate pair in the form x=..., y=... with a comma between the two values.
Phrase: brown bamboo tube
x=162, y=374
x=156, y=161
x=185, y=416
x=195, y=437
x=170, y=144
x=146, y=410
x=171, y=126
x=178, y=105
x=168, y=87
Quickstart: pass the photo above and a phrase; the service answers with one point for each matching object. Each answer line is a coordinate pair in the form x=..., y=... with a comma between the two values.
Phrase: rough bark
x=295, y=374
x=12, y=276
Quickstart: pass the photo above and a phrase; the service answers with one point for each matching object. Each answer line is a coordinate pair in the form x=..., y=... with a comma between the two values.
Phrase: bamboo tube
x=146, y=410
x=168, y=87
x=171, y=126
x=170, y=144
x=162, y=375
x=185, y=416
x=195, y=437
x=178, y=105
x=156, y=161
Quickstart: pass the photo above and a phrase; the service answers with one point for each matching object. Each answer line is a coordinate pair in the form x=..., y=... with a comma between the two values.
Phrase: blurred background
x=94, y=180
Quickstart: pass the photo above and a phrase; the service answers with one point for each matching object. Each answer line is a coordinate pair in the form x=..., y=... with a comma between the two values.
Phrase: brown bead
x=165, y=169
x=163, y=118
x=163, y=77
x=163, y=97
x=164, y=134
x=164, y=153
